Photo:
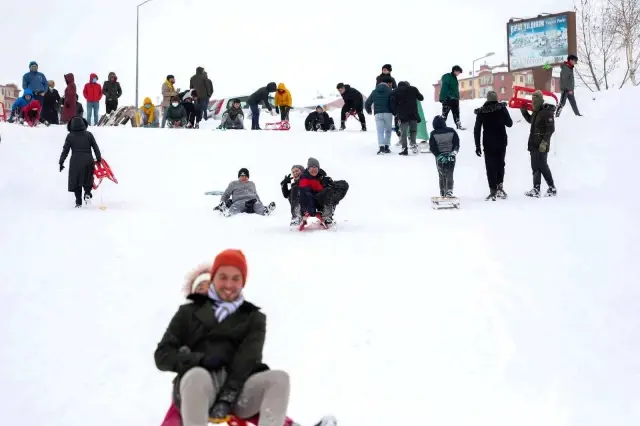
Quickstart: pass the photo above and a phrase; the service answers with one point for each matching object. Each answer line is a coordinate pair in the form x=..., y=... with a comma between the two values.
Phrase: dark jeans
x=111, y=105
x=284, y=113
x=203, y=104
x=540, y=167
x=494, y=163
x=408, y=129
x=319, y=125
x=445, y=176
x=359, y=112
x=255, y=117
x=572, y=101
x=452, y=105
x=325, y=200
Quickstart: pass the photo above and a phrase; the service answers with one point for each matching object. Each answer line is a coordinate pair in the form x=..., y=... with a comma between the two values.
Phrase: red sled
x=279, y=125
x=520, y=101
x=102, y=170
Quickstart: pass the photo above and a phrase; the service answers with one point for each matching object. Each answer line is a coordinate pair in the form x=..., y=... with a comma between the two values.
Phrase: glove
x=211, y=363
x=286, y=180
x=478, y=152
x=220, y=412
x=61, y=167
x=326, y=181
x=443, y=158
x=277, y=110
x=453, y=153
x=451, y=157
x=544, y=146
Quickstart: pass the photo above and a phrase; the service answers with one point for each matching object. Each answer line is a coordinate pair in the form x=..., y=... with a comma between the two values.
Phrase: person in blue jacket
x=20, y=103
x=36, y=82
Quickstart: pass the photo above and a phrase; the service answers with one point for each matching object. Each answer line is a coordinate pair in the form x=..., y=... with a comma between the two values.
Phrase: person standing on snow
x=112, y=92
x=241, y=196
x=168, y=93
x=494, y=118
x=260, y=96
x=69, y=109
x=353, y=103
x=80, y=142
x=404, y=101
x=567, y=85
x=92, y=92
x=450, y=95
x=283, y=102
x=386, y=71
x=380, y=99
x=444, y=144
x=51, y=104
x=35, y=81
x=542, y=128
x=204, y=87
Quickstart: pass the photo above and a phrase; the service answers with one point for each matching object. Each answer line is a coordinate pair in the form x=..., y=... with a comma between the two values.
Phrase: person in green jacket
x=450, y=95
x=176, y=114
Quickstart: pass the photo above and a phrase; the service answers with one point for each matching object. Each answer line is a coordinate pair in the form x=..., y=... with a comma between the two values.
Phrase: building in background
x=8, y=95
x=498, y=79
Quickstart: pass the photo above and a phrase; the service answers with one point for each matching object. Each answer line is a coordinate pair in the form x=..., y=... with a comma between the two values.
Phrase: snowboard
x=440, y=203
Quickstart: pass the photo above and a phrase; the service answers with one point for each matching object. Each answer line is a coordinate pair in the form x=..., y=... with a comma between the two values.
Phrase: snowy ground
x=520, y=312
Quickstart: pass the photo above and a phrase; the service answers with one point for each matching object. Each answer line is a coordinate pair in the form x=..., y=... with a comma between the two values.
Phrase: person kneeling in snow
x=444, y=144
x=233, y=117
x=148, y=116
x=19, y=104
x=81, y=164
x=317, y=191
x=189, y=103
x=241, y=196
x=31, y=113
x=319, y=120
x=176, y=114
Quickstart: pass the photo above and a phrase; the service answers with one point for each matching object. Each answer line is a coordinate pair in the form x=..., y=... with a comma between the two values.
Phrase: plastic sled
x=439, y=203
x=102, y=170
x=518, y=100
x=279, y=125
x=172, y=418
x=351, y=113
x=230, y=421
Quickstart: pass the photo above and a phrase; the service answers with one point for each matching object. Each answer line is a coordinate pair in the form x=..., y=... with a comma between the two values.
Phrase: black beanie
x=340, y=86
x=387, y=67
x=243, y=172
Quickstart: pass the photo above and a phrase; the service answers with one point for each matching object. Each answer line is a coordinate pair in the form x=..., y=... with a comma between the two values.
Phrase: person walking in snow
x=444, y=144
x=241, y=196
x=353, y=104
x=450, y=95
x=404, y=102
x=494, y=118
x=51, y=104
x=35, y=81
x=112, y=92
x=70, y=100
x=80, y=142
x=283, y=102
x=92, y=92
x=260, y=96
x=542, y=128
x=567, y=85
x=380, y=99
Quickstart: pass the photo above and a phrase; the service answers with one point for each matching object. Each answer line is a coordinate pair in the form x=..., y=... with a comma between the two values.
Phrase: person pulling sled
x=241, y=196
x=81, y=165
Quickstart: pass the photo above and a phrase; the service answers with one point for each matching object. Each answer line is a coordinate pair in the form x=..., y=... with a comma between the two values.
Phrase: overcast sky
x=245, y=44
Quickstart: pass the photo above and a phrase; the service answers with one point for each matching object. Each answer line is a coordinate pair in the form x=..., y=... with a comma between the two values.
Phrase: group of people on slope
x=180, y=108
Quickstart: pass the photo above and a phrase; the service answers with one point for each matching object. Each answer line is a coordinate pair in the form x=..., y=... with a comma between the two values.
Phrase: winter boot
x=449, y=194
x=364, y=127
x=459, y=126
x=500, y=192
x=332, y=128
x=551, y=192
x=87, y=197
x=387, y=150
x=270, y=208
x=492, y=195
x=534, y=193
x=405, y=151
x=342, y=126
x=414, y=148
x=381, y=150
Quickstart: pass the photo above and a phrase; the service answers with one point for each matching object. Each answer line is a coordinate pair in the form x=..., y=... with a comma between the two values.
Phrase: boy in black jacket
x=80, y=142
x=319, y=120
x=444, y=144
x=404, y=102
x=353, y=101
x=260, y=96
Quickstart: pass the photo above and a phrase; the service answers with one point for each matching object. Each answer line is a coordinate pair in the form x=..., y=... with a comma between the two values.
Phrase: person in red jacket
x=92, y=93
x=318, y=192
x=31, y=113
x=70, y=99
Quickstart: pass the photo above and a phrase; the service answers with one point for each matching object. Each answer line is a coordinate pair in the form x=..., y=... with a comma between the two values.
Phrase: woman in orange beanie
x=215, y=346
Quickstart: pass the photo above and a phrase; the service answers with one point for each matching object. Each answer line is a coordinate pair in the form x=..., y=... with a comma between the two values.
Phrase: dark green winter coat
x=236, y=343
x=543, y=124
x=176, y=113
x=449, y=87
x=380, y=98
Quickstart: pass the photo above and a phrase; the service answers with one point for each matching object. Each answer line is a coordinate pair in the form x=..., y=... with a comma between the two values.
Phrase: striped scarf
x=221, y=308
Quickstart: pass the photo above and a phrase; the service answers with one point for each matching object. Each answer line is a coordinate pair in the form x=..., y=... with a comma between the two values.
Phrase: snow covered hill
x=519, y=312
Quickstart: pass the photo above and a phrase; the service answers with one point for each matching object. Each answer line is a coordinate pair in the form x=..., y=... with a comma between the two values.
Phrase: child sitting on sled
x=241, y=196
x=176, y=114
x=148, y=116
x=31, y=113
x=444, y=143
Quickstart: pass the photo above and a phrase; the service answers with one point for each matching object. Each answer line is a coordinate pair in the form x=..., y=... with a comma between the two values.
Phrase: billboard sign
x=545, y=40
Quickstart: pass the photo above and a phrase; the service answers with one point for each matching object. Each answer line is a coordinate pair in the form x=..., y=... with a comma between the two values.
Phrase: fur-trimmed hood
x=190, y=278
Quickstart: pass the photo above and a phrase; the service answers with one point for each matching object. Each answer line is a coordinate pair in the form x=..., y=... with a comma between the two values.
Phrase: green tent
x=423, y=133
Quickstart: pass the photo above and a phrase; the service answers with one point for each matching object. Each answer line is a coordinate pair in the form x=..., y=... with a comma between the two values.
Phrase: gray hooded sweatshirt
x=240, y=191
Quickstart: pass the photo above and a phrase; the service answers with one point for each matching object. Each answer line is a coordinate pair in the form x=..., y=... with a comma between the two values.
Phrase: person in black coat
x=404, y=102
x=81, y=165
x=51, y=105
x=353, y=101
x=494, y=118
x=260, y=96
x=319, y=120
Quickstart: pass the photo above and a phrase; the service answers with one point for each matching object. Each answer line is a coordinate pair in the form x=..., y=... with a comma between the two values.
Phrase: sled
x=102, y=170
x=519, y=101
x=440, y=203
x=279, y=125
x=214, y=193
x=230, y=421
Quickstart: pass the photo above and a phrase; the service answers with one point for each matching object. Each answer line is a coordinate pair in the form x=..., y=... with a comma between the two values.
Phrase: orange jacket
x=283, y=96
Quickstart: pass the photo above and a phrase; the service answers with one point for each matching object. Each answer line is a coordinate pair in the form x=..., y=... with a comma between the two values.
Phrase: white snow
x=520, y=312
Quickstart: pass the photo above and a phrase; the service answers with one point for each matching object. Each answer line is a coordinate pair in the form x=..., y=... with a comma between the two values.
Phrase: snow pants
x=540, y=168
x=266, y=393
x=242, y=206
x=494, y=164
x=284, y=112
x=325, y=200
x=232, y=123
x=408, y=129
x=384, y=127
x=453, y=106
x=445, y=176
x=320, y=125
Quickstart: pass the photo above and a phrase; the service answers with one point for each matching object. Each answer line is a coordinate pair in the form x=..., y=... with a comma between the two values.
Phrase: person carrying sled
x=51, y=105
x=318, y=194
x=444, y=144
x=404, y=101
x=450, y=95
x=260, y=96
x=241, y=196
x=69, y=109
x=148, y=116
x=319, y=120
x=233, y=117
x=493, y=117
x=176, y=115
x=353, y=104
x=222, y=373
x=380, y=99
x=19, y=105
x=283, y=102
x=81, y=165
x=567, y=86
x=542, y=128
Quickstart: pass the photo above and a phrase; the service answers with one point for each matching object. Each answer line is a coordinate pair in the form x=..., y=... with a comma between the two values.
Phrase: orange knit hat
x=230, y=257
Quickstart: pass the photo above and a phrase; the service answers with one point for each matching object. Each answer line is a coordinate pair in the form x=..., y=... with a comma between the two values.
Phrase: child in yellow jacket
x=283, y=101
x=148, y=116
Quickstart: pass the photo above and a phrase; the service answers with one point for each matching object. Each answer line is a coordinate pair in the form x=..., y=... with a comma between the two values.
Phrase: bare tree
x=626, y=25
